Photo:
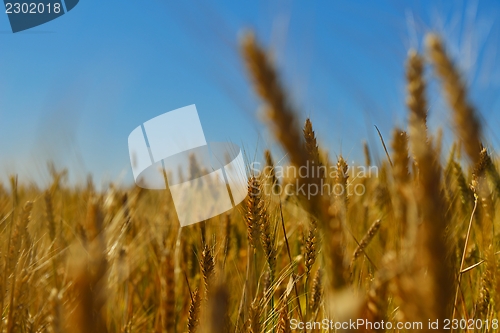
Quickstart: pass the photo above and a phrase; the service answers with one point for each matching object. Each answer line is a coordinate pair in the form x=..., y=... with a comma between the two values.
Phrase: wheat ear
x=278, y=109
x=428, y=194
x=194, y=312
x=465, y=117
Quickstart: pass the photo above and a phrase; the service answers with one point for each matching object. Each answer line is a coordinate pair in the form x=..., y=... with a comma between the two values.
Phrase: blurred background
x=73, y=89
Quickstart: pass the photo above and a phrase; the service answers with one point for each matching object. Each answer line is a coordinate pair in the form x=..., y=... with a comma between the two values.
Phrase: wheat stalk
x=466, y=120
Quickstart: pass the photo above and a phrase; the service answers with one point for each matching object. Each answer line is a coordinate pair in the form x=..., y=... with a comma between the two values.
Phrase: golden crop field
x=412, y=242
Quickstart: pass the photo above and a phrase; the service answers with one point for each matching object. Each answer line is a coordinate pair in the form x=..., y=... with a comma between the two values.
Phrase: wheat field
x=417, y=245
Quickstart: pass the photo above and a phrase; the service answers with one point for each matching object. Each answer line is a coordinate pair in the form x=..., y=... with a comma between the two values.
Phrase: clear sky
x=73, y=89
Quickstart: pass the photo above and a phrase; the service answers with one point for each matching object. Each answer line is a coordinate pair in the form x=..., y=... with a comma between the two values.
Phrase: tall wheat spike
x=466, y=120
x=207, y=264
x=310, y=247
x=365, y=241
x=282, y=118
x=278, y=109
x=434, y=249
x=194, y=312
x=267, y=238
x=316, y=292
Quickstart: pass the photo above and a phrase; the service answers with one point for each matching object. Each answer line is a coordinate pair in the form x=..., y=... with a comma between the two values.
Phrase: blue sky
x=73, y=89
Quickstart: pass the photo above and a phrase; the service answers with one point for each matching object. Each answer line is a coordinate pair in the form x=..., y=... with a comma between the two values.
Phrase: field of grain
x=417, y=245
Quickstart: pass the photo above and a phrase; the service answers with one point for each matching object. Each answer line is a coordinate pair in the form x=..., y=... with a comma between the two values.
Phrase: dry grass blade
x=383, y=144
x=467, y=238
